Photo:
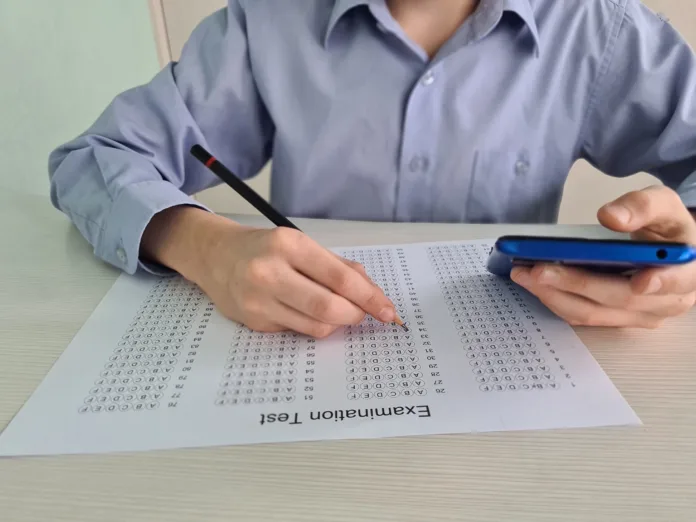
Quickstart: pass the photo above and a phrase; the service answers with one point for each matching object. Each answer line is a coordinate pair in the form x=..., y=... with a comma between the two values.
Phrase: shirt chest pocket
x=508, y=185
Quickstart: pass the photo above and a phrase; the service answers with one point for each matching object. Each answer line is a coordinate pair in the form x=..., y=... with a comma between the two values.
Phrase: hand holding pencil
x=281, y=279
x=268, y=279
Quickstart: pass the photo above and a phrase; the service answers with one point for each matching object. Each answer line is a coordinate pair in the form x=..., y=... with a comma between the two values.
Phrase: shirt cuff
x=131, y=212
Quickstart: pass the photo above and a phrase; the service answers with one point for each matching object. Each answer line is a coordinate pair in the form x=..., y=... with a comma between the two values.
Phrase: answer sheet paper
x=156, y=366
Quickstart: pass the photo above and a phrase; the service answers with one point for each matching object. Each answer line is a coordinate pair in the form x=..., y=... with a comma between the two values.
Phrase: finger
x=361, y=269
x=314, y=300
x=657, y=212
x=255, y=320
x=580, y=311
x=607, y=290
x=286, y=318
x=679, y=280
x=300, y=323
x=323, y=267
x=356, y=266
x=602, y=289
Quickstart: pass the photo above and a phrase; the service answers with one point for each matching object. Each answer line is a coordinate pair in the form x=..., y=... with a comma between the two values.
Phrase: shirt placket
x=417, y=158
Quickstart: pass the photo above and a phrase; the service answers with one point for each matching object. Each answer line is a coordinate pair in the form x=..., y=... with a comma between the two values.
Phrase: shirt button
x=418, y=164
x=121, y=254
x=521, y=167
x=428, y=79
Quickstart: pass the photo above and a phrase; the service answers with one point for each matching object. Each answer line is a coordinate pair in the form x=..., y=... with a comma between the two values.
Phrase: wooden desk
x=51, y=282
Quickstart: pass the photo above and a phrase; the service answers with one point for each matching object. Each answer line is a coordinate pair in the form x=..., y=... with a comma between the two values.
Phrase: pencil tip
x=401, y=324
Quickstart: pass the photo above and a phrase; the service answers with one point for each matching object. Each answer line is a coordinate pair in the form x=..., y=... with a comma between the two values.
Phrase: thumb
x=655, y=213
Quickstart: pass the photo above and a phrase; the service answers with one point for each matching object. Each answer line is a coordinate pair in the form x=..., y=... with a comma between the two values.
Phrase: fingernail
x=387, y=315
x=653, y=286
x=550, y=276
x=621, y=213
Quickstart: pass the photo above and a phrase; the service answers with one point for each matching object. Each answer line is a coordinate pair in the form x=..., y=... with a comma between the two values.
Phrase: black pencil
x=240, y=187
x=248, y=194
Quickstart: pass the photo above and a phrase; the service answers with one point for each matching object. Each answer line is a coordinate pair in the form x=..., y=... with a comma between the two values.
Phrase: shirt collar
x=491, y=12
x=340, y=8
x=523, y=9
x=487, y=16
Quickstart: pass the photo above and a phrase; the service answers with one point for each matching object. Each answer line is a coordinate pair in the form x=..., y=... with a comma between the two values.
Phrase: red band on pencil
x=210, y=162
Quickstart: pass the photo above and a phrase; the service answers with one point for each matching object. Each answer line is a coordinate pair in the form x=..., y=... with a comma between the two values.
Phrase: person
x=393, y=110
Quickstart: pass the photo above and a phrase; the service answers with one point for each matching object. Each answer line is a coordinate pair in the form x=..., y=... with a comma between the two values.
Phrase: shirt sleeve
x=643, y=112
x=135, y=160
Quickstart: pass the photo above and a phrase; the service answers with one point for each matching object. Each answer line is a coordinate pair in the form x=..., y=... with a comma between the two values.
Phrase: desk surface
x=51, y=283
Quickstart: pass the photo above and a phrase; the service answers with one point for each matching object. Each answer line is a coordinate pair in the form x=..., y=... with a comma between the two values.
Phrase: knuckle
x=647, y=201
x=629, y=301
x=653, y=324
x=342, y=282
x=260, y=325
x=284, y=239
x=642, y=201
x=586, y=318
x=573, y=280
x=675, y=283
x=668, y=195
x=580, y=283
x=321, y=307
x=253, y=307
x=375, y=300
x=537, y=272
x=320, y=330
x=691, y=300
x=684, y=304
x=575, y=321
x=678, y=306
x=358, y=266
x=260, y=271
x=358, y=318
x=231, y=313
x=572, y=321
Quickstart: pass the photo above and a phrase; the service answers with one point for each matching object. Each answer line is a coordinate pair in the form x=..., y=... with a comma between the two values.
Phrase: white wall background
x=61, y=63
x=586, y=188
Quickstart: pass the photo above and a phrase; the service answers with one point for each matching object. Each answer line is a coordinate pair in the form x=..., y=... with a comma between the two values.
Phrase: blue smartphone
x=615, y=256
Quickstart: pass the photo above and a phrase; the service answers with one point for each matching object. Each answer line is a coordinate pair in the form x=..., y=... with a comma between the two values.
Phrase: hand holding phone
x=613, y=256
x=594, y=282
x=626, y=284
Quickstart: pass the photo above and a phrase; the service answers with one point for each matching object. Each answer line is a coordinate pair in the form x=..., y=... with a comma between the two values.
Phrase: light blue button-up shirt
x=361, y=124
